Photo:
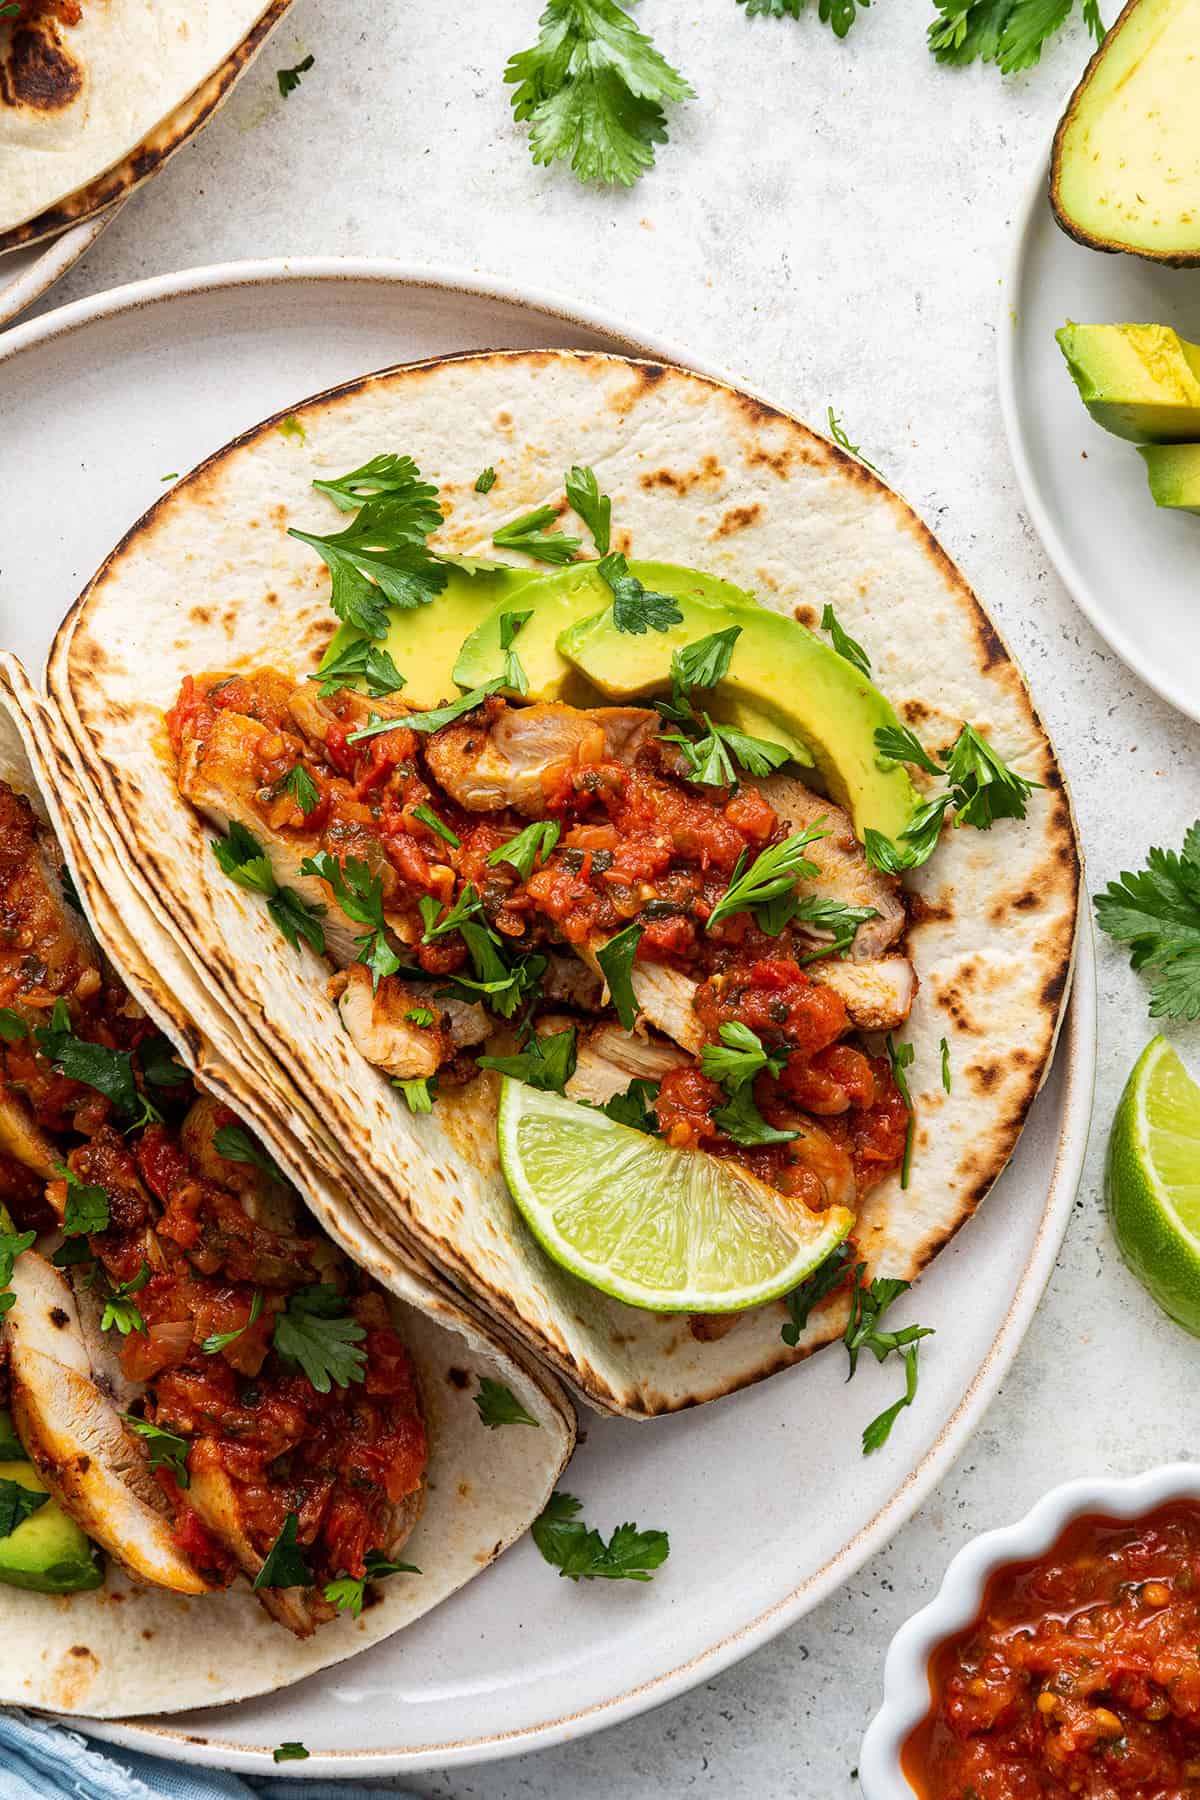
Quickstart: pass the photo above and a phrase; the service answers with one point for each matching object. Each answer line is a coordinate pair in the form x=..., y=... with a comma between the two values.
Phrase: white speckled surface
x=831, y=222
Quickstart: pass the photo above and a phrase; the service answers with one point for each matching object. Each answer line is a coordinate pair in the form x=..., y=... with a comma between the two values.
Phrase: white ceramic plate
x=25, y=274
x=769, y=1510
x=1130, y=566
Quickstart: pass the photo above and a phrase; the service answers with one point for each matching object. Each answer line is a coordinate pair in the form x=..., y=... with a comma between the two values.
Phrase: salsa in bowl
x=1061, y=1656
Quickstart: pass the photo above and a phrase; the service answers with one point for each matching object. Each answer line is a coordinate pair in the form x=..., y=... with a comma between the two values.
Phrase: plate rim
x=1008, y=332
x=1076, y=1049
x=53, y=259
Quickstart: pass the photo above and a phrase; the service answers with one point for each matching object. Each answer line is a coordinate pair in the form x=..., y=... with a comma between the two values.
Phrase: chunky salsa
x=1080, y=1677
x=193, y=1252
x=637, y=843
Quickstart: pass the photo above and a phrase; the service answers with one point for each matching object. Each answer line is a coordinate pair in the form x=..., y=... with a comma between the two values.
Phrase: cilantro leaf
x=593, y=89
x=897, y=744
x=773, y=873
x=879, y=1430
x=982, y=786
x=359, y=893
x=741, y=1120
x=86, y=1210
x=235, y=1144
x=70, y=892
x=739, y=1057
x=285, y=1566
x=900, y=1056
x=438, y=922
x=1156, y=911
x=17, y=1503
x=348, y=1592
x=12, y=1026
x=828, y=914
x=289, y=79
x=635, y=609
x=532, y=845
x=631, y=1108
x=166, y=1449
x=846, y=646
x=945, y=1065
x=360, y=660
x=514, y=674
x=529, y=534
x=12, y=1245
x=811, y=1291
x=580, y=1553
x=290, y=1751
x=303, y=789
x=159, y=1063
x=1009, y=33
x=316, y=1330
x=711, y=759
x=434, y=720
x=297, y=919
x=836, y=431
x=616, y=960
x=241, y=857
x=418, y=1092
x=864, y=1331
x=119, y=1311
x=502, y=984
x=428, y=817
x=381, y=557
x=593, y=507
x=838, y=14
x=485, y=481
x=705, y=662
x=392, y=475
x=110, y=1072
x=546, y=1062
x=217, y=1341
x=498, y=1405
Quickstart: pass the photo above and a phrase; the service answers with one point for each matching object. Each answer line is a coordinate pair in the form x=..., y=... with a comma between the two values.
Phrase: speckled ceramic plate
x=768, y=1509
x=26, y=274
x=1130, y=565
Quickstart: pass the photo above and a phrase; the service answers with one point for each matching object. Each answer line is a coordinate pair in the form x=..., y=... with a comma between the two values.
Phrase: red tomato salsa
x=1080, y=1676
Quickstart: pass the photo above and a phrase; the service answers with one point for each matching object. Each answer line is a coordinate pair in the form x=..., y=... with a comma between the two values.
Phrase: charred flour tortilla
x=125, y=1648
x=94, y=94
x=699, y=475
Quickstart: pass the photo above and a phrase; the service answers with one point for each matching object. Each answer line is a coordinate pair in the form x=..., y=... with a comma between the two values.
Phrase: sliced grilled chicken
x=877, y=995
x=609, y=1058
x=518, y=755
x=23, y=1138
x=217, y=774
x=386, y=1034
x=269, y=1202
x=845, y=873
x=91, y=1462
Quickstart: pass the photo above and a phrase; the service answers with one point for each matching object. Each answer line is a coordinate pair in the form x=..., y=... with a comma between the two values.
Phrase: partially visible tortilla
x=699, y=474
x=127, y=1649
x=88, y=111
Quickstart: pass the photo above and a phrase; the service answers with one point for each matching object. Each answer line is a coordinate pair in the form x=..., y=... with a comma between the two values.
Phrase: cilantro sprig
x=316, y=1330
x=844, y=644
x=739, y=1057
x=865, y=1331
x=901, y=1057
x=770, y=877
x=220, y=1340
x=514, y=675
x=616, y=959
x=546, y=1062
x=359, y=893
x=741, y=1120
x=240, y=856
x=348, y=1592
x=359, y=660
x=593, y=507
x=811, y=1291
x=284, y=1565
x=529, y=533
x=382, y=557
x=110, y=1072
x=981, y=789
x=636, y=609
x=633, y=1107
x=165, y=1449
x=12, y=1245
x=433, y=720
x=1009, y=33
x=839, y=15
x=120, y=1314
x=592, y=90
x=530, y=846
x=498, y=1405
x=579, y=1553
x=86, y=1210
x=1156, y=911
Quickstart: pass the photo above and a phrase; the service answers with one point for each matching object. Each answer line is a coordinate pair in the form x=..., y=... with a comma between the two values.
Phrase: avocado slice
x=1174, y=471
x=1138, y=381
x=47, y=1552
x=561, y=600
x=11, y=1447
x=423, y=641
x=1125, y=169
x=784, y=684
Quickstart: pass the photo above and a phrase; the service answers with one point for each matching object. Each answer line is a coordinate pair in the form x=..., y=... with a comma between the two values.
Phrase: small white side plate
x=25, y=274
x=1132, y=567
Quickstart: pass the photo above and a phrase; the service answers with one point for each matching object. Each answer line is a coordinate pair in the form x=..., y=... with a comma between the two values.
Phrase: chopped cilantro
x=616, y=960
x=166, y=1449
x=635, y=609
x=359, y=893
x=17, y=1503
x=485, y=481
x=546, y=1062
x=528, y=847
x=579, y=1553
x=498, y=1405
x=845, y=645
x=315, y=1329
x=289, y=79
x=360, y=660
x=219, y=1339
x=593, y=507
x=285, y=1566
x=529, y=534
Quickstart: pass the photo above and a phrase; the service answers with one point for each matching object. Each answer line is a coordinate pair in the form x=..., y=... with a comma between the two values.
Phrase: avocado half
x=1125, y=168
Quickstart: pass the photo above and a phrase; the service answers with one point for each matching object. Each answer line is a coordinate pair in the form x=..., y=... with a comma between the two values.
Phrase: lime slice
x=1152, y=1181
x=668, y=1230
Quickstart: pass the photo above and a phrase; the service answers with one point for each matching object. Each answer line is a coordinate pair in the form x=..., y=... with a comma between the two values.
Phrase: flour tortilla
x=127, y=1649
x=699, y=474
x=87, y=111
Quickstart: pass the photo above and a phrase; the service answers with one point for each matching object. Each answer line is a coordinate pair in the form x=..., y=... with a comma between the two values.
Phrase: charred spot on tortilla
x=58, y=1316
x=458, y=1378
x=38, y=72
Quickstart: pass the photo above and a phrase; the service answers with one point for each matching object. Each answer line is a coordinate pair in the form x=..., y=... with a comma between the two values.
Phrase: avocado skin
x=1136, y=29
x=1174, y=472
x=47, y=1553
x=784, y=684
x=1141, y=382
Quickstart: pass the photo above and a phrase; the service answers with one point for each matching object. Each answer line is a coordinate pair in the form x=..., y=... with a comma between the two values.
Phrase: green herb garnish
x=17, y=1503
x=219, y=1339
x=498, y=1405
x=289, y=79
x=110, y=1072
x=532, y=845
x=359, y=893
x=285, y=1566
x=530, y=535
x=1156, y=911
x=739, y=1057
x=485, y=481
x=811, y=1291
x=773, y=873
x=428, y=817
x=430, y=721
x=635, y=609
x=317, y=1331
x=580, y=1553
x=616, y=960
x=846, y=646
x=546, y=1062
x=382, y=557
x=86, y=1210
x=593, y=507
x=120, y=1313
x=166, y=1449
x=900, y=1056
x=348, y=1592
x=360, y=660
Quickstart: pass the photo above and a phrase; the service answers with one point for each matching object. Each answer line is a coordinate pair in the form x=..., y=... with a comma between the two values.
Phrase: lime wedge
x=667, y=1230
x=1152, y=1181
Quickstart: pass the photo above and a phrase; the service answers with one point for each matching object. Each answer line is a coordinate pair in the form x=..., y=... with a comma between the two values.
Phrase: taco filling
x=478, y=877
x=203, y=1380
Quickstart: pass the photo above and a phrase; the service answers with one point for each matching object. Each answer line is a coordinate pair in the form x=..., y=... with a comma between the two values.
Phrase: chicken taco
x=95, y=94
x=619, y=828
x=226, y=1435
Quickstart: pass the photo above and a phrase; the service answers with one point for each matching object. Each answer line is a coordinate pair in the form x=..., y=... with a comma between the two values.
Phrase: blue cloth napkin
x=41, y=1761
